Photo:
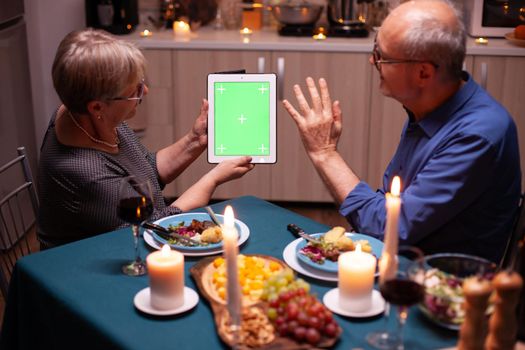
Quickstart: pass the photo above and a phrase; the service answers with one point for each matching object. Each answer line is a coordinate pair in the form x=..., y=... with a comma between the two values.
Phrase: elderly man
x=458, y=156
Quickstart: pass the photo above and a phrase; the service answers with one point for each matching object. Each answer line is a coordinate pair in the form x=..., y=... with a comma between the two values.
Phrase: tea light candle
x=246, y=34
x=388, y=263
x=229, y=239
x=356, y=279
x=166, y=278
x=146, y=33
x=181, y=29
x=481, y=41
x=319, y=36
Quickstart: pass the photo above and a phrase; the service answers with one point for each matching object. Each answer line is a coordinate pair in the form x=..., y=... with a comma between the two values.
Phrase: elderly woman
x=88, y=148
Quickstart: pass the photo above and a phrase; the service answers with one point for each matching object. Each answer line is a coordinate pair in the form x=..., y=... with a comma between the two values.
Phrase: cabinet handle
x=280, y=77
x=260, y=65
x=484, y=69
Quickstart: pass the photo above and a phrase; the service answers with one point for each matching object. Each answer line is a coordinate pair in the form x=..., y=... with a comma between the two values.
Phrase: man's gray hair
x=430, y=39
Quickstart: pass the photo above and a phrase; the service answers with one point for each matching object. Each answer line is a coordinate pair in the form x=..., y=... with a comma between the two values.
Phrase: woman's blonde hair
x=91, y=65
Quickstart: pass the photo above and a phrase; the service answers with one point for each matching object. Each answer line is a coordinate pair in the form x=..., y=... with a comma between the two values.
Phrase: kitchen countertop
x=206, y=38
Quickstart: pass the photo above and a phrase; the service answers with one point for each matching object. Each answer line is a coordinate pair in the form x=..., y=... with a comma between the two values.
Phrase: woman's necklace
x=112, y=145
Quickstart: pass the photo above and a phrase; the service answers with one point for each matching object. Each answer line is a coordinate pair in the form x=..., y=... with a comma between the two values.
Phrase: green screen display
x=242, y=118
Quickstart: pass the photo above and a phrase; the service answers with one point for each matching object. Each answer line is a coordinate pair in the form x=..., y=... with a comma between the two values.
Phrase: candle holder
x=246, y=34
x=481, y=41
x=146, y=33
x=319, y=37
x=181, y=30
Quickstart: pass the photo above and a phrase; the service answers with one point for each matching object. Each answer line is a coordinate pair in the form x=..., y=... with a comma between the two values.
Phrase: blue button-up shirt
x=460, y=170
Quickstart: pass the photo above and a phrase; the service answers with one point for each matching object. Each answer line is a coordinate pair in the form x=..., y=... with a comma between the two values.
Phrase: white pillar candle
x=388, y=263
x=166, y=278
x=229, y=236
x=181, y=30
x=356, y=280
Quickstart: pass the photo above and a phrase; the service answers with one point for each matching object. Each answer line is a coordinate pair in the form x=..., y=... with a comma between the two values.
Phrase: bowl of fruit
x=444, y=277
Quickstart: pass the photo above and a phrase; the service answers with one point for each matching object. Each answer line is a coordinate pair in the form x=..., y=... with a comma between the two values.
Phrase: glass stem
x=135, y=229
x=402, y=319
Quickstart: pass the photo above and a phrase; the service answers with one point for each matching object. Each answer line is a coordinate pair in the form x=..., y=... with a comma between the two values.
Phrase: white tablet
x=242, y=117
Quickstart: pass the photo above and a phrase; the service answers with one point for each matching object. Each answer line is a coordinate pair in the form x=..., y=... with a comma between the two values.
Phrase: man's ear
x=427, y=73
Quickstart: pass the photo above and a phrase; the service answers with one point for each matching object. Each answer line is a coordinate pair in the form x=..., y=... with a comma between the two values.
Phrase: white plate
x=331, y=266
x=142, y=302
x=510, y=37
x=243, y=237
x=331, y=301
x=290, y=257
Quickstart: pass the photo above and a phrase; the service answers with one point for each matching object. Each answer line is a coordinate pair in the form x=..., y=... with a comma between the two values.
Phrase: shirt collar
x=433, y=121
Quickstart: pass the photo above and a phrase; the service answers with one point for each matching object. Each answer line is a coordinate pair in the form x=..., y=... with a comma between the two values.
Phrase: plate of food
x=514, y=40
x=199, y=228
x=323, y=255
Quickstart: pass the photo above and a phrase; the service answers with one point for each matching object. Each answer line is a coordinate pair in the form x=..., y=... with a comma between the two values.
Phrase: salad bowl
x=444, y=276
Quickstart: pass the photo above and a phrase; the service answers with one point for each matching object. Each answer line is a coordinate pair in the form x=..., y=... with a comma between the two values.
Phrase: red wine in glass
x=402, y=292
x=134, y=210
x=135, y=205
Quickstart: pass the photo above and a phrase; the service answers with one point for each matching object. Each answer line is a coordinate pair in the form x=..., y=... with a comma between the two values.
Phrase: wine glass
x=401, y=285
x=135, y=205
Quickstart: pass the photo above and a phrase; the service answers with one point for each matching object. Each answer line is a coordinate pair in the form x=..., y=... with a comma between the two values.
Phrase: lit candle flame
x=358, y=248
x=228, y=217
x=396, y=186
x=165, y=251
x=246, y=30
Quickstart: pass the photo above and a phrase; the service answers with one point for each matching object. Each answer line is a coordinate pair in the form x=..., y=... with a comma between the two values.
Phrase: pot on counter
x=297, y=12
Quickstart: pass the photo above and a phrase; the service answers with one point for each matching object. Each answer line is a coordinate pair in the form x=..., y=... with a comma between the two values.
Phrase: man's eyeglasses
x=378, y=60
x=137, y=97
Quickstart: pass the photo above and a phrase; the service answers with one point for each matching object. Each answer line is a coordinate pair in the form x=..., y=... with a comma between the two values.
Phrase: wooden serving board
x=202, y=272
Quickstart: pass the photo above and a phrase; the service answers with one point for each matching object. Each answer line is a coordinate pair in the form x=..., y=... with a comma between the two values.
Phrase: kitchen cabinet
x=504, y=77
x=155, y=115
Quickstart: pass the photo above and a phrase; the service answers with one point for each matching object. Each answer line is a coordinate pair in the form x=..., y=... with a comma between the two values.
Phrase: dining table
x=76, y=297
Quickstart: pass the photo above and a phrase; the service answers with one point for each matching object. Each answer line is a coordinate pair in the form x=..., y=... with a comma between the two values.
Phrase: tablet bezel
x=270, y=78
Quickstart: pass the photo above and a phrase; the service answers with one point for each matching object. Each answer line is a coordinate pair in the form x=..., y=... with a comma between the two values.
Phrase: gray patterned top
x=78, y=188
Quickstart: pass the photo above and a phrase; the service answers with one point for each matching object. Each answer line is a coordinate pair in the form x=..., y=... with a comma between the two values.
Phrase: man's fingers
x=303, y=104
x=292, y=111
x=314, y=94
x=325, y=95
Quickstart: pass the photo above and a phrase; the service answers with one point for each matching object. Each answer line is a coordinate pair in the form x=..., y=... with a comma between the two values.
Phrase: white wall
x=48, y=21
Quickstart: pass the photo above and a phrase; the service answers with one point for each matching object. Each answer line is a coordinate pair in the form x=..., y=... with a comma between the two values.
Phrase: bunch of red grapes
x=299, y=315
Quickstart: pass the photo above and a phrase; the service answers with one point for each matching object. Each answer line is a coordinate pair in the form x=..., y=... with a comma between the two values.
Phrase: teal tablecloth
x=75, y=297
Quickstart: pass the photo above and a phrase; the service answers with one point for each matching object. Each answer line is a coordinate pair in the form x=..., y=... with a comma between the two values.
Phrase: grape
x=315, y=308
x=314, y=322
x=272, y=313
x=282, y=329
x=291, y=310
x=330, y=330
x=302, y=318
x=299, y=333
x=312, y=336
x=279, y=320
x=292, y=325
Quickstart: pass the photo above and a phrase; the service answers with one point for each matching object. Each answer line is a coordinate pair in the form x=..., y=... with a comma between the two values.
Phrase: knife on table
x=167, y=234
x=296, y=230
